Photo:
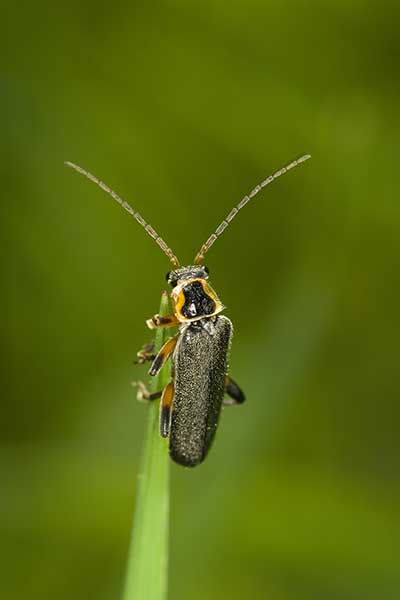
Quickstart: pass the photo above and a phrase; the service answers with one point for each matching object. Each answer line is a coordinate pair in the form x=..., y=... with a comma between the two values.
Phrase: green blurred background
x=182, y=107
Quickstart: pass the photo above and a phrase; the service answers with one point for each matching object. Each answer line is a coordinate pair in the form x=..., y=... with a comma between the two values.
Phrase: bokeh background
x=182, y=107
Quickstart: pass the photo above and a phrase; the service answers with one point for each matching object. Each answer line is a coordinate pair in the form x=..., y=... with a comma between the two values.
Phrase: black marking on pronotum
x=197, y=302
x=191, y=402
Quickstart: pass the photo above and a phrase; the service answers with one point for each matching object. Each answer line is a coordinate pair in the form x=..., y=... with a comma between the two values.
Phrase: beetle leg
x=165, y=409
x=146, y=353
x=234, y=391
x=158, y=321
x=163, y=356
x=143, y=393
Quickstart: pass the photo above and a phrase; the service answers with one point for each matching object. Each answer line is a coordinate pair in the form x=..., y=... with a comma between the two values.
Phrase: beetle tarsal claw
x=145, y=354
x=142, y=392
x=150, y=323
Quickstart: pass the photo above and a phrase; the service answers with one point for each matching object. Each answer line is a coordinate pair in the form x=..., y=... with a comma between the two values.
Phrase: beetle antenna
x=130, y=210
x=207, y=245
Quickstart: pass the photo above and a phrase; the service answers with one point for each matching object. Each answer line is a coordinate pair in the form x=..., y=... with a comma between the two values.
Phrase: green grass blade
x=147, y=569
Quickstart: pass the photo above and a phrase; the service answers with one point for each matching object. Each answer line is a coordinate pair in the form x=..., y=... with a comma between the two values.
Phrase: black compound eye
x=172, y=282
x=207, y=270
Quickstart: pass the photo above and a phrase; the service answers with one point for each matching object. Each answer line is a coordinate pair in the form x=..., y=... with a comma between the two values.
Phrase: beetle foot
x=143, y=394
x=145, y=354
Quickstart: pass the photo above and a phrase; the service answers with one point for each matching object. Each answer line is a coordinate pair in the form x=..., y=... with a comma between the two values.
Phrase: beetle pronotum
x=191, y=402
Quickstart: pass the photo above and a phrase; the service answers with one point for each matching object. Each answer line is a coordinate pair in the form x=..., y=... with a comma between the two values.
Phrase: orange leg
x=165, y=409
x=163, y=356
x=158, y=321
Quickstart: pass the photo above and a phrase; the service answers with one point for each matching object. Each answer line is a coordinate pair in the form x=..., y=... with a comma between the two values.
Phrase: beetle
x=191, y=402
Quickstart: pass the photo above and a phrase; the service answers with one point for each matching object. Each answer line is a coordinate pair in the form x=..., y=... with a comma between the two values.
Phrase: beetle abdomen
x=201, y=361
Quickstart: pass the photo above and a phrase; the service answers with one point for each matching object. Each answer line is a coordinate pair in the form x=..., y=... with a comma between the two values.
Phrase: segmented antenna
x=130, y=210
x=207, y=245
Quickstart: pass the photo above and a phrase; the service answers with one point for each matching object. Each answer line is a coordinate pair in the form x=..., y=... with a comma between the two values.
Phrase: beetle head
x=191, y=272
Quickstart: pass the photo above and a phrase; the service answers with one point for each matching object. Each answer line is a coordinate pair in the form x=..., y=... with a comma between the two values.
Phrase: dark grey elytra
x=191, y=403
x=200, y=364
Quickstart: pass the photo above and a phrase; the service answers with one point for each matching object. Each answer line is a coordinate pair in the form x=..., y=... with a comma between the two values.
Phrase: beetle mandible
x=191, y=402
